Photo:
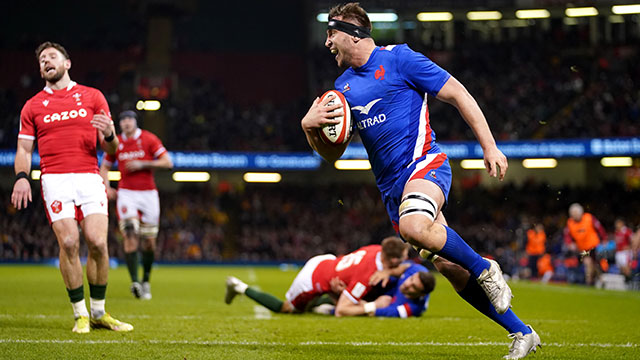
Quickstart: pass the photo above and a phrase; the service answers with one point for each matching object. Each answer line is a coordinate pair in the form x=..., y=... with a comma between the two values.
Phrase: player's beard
x=56, y=76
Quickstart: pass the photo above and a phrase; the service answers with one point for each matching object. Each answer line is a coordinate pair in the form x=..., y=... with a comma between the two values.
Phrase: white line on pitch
x=305, y=343
x=261, y=313
x=257, y=310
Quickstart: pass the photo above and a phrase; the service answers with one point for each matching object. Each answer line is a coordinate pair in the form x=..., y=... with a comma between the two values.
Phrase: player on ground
x=138, y=204
x=387, y=89
x=314, y=279
x=68, y=120
x=405, y=296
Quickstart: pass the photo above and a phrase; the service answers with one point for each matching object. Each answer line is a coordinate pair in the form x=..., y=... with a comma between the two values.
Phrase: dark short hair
x=393, y=247
x=49, y=44
x=428, y=281
x=128, y=113
x=351, y=12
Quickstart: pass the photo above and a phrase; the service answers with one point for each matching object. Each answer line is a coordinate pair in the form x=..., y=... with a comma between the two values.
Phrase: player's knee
x=97, y=245
x=417, y=231
x=70, y=245
x=149, y=244
x=129, y=227
x=417, y=214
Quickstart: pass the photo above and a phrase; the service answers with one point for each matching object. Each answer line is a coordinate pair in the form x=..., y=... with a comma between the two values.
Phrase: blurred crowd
x=540, y=87
x=259, y=223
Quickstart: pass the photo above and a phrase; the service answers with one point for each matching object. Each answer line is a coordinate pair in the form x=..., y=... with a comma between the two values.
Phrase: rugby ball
x=340, y=133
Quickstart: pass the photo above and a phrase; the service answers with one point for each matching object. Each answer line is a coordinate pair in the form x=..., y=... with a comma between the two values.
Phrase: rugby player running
x=387, y=89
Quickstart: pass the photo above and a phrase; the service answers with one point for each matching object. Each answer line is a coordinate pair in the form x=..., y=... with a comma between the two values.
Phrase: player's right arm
x=454, y=93
x=320, y=114
x=346, y=307
x=21, y=195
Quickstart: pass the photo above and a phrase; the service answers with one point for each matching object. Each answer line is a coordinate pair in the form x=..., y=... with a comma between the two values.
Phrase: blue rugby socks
x=458, y=251
x=476, y=297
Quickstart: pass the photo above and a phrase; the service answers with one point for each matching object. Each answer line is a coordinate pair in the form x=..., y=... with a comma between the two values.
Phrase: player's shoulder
x=396, y=50
x=372, y=248
x=88, y=90
x=415, y=267
x=147, y=134
x=39, y=96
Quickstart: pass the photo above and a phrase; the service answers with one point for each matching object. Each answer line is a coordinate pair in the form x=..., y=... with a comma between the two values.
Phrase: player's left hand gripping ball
x=339, y=133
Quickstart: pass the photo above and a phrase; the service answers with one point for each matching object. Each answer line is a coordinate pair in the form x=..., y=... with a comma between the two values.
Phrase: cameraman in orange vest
x=583, y=233
x=536, y=239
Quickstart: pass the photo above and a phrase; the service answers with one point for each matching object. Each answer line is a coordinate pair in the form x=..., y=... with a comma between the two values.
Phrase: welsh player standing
x=138, y=203
x=68, y=120
x=387, y=88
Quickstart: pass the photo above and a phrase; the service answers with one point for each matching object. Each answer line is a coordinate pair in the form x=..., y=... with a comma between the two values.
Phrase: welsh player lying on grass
x=354, y=270
x=401, y=297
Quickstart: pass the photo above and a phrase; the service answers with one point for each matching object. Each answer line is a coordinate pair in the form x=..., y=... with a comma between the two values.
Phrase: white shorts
x=301, y=290
x=73, y=196
x=144, y=204
x=623, y=258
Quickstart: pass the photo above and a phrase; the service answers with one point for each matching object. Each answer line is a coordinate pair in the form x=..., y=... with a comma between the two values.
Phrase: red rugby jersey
x=354, y=269
x=143, y=145
x=60, y=122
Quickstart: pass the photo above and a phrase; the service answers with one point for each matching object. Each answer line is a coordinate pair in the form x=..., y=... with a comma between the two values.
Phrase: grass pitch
x=187, y=319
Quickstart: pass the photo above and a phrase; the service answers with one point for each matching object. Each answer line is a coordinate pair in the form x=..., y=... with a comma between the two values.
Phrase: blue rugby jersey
x=401, y=306
x=388, y=99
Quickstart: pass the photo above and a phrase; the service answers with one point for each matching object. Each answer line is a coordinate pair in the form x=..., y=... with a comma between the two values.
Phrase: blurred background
x=224, y=85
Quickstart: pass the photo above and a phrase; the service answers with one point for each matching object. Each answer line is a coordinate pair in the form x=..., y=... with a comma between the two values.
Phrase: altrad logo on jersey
x=364, y=110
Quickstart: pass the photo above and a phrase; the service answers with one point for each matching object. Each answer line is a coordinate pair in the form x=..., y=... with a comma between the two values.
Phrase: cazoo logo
x=65, y=115
x=130, y=155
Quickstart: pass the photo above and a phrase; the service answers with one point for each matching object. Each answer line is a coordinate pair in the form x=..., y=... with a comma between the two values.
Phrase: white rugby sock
x=79, y=309
x=97, y=308
x=241, y=287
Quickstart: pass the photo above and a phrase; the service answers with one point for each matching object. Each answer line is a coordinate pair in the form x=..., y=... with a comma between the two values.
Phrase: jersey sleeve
x=155, y=146
x=420, y=72
x=356, y=290
x=403, y=309
x=27, y=123
x=100, y=103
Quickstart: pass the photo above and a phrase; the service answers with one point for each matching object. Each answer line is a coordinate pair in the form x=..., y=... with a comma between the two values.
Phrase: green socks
x=267, y=300
x=97, y=292
x=132, y=264
x=147, y=263
x=76, y=295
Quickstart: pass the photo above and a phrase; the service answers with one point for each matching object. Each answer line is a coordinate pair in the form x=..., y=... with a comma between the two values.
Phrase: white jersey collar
x=71, y=85
x=135, y=136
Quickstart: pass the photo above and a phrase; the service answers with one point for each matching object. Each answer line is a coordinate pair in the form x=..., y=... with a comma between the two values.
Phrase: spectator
x=583, y=233
x=536, y=239
x=624, y=255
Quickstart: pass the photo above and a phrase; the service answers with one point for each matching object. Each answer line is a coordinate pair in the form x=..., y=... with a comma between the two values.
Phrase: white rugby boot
x=146, y=291
x=496, y=288
x=136, y=290
x=234, y=287
x=523, y=345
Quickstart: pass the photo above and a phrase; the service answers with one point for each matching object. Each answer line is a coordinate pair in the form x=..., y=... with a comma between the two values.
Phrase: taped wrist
x=370, y=307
